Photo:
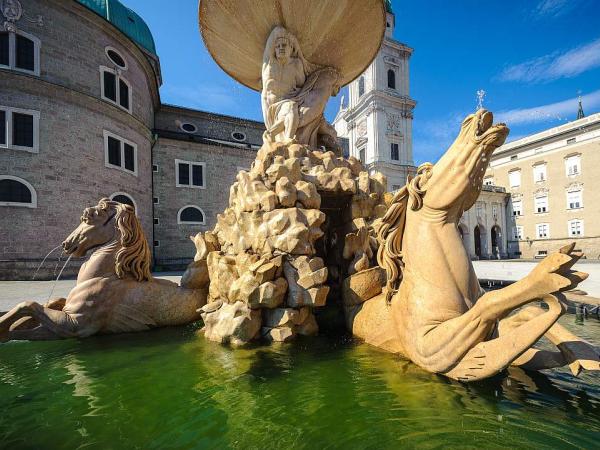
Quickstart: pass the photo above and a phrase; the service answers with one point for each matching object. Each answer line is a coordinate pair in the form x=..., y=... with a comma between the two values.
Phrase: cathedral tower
x=378, y=119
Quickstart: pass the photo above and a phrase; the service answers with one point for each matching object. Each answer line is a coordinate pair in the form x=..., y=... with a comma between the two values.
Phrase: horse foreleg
x=58, y=322
x=491, y=357
x=552, y=274
x=572, y=350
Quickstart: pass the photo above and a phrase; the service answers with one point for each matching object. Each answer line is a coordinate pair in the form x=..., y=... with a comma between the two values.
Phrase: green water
x=171, y=389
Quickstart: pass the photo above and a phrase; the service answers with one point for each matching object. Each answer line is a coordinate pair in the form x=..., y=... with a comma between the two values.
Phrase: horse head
x=439, y=192
x=110, y=222
x=454, y=183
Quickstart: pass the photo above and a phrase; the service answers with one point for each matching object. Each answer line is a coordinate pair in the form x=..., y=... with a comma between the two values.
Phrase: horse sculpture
x=433, y=310
x=115, y=291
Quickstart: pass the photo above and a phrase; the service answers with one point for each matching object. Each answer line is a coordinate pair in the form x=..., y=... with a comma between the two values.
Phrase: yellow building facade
x=553, y=182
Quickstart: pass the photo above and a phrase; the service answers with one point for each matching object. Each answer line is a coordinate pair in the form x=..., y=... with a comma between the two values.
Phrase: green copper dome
x=124, y=19
x=388, y=6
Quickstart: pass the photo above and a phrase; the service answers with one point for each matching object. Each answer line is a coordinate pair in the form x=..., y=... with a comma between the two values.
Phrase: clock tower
x=378, y=118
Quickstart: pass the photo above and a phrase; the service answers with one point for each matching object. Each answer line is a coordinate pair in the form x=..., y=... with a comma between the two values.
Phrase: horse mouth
x=488, y=133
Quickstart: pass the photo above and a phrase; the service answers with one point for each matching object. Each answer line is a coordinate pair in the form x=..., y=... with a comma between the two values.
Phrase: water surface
x=171, y=389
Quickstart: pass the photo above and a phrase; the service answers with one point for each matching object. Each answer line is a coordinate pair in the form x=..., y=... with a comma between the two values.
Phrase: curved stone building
x=76, y=119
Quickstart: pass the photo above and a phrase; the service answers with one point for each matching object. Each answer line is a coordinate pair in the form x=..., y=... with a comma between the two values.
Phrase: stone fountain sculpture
x=115, y=291
x=282, y=236
x=304, y=217
x=433, y=310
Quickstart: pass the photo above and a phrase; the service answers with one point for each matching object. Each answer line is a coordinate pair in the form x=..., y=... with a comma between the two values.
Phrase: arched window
x=391, y=79
x=361, y=86
x=15, y=191
x=191, y=215
x=125, y=198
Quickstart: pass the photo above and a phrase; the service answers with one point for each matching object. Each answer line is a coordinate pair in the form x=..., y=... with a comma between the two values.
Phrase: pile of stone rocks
x=266, y=276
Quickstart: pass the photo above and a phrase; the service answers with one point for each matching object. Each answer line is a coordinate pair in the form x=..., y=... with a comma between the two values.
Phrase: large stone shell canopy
x=344, y=34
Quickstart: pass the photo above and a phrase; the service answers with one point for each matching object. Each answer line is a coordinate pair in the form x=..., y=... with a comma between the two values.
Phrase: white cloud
x=554, y=8
x=561, y=111
x=555, y=65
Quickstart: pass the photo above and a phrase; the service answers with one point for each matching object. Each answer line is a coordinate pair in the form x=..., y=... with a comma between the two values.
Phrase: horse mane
x=134, y=257
x=391, y=231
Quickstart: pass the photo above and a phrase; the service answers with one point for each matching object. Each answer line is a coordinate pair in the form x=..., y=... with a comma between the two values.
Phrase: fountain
x=307, y=228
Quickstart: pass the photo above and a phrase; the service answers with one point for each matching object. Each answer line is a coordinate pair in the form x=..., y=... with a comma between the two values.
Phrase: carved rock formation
x=298, y=218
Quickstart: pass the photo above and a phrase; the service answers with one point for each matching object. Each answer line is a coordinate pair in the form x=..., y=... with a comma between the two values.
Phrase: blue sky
x=531, y=57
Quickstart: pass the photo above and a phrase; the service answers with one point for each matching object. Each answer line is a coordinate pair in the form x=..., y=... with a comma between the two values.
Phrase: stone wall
x=221, y=167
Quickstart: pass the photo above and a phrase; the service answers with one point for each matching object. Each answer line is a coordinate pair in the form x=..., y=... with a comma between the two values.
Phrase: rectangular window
x=575, y=227
x=518, y=233
x=542, y=230
x=541, y=204
x=19, y=129
x=22, y=135
x=120, y=153
x=115, y=89
x=4, y=49
x=514, y=178
x=573, y=165
x=395, y=152
x=20, y=51
x=25, y=54
x=189, y=174
x=3, y=128
x=539, y=173
x=574, y=200
x=517, y=208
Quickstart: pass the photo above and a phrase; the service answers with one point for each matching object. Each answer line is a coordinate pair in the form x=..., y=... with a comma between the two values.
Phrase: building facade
x=378, y=118
x=81, y=119
x=553, y=189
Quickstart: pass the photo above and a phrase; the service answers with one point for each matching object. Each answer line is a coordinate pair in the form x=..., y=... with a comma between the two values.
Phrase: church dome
x=388, y=6
x=125, y=20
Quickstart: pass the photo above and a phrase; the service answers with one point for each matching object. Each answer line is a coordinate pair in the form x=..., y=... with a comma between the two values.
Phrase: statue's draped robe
x=307, y=132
